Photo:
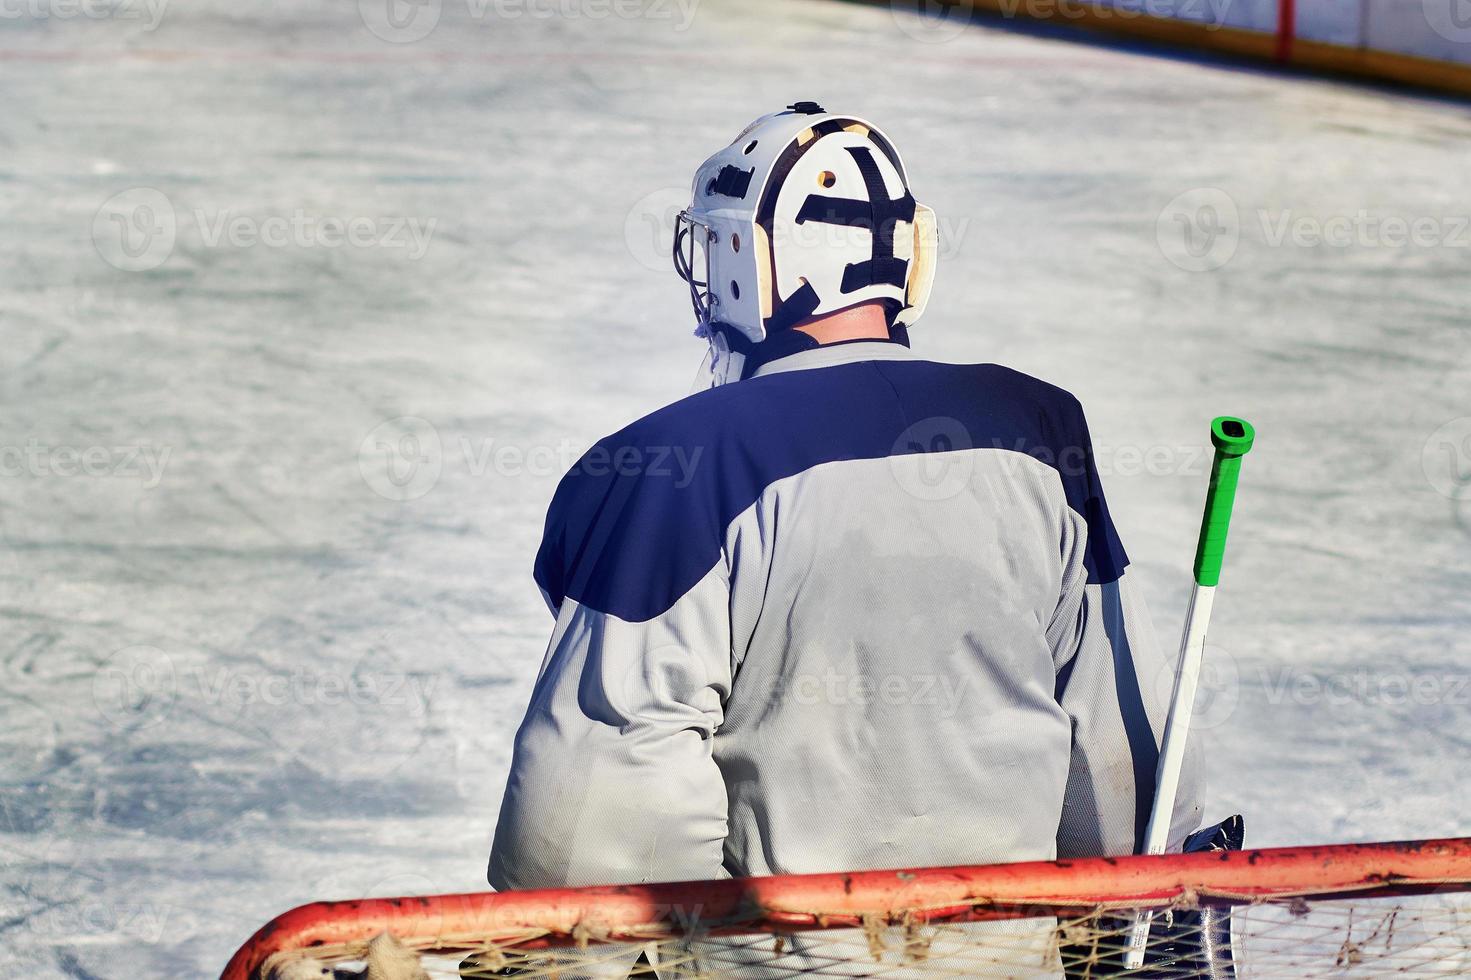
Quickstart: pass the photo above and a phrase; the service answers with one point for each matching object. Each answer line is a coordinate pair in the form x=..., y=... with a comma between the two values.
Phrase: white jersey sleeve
x=613, y=778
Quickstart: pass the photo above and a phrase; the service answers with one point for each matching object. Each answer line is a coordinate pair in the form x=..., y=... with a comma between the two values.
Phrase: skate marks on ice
x=247, y=665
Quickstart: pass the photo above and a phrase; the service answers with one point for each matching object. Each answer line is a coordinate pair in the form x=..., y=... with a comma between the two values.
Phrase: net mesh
x=1425, y=935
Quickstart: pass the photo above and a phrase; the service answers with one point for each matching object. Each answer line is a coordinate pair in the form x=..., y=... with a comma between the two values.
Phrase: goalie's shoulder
x=638, y=519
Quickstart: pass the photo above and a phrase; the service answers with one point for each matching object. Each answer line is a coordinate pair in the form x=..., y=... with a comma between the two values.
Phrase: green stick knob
x=1232, y=438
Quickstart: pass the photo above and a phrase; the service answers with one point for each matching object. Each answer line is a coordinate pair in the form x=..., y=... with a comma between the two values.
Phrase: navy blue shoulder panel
x=642, y=516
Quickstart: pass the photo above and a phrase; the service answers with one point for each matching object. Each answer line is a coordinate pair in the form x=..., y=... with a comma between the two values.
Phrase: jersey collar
x=844, y=352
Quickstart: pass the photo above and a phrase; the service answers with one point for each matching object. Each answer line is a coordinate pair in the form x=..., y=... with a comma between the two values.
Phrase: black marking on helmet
x=835, y=211
x=788, y=158
x=733, y=181
x=878, y=214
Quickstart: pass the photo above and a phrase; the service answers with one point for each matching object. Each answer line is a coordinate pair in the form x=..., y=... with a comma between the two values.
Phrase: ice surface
x=248, y=664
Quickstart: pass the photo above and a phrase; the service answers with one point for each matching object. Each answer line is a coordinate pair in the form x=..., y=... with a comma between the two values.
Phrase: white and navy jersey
x=861, y=610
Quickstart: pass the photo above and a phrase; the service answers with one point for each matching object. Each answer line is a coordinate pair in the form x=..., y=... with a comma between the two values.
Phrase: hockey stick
x=1232, y=438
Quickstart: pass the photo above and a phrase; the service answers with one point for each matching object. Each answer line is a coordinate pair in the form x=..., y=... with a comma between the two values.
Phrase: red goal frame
x=791, y=903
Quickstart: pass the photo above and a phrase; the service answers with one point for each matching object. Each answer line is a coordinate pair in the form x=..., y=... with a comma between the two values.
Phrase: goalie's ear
x=921, y=266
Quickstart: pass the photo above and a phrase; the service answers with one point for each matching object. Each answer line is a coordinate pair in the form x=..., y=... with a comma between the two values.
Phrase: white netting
x=1413, y=936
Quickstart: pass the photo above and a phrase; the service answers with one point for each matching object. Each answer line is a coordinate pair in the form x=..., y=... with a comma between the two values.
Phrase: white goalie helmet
x=805, y=213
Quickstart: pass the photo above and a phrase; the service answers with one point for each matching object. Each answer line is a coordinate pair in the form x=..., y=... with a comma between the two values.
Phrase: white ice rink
x=270, y=501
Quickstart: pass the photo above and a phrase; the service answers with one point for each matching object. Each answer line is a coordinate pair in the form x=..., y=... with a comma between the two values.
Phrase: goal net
x=1368, y=910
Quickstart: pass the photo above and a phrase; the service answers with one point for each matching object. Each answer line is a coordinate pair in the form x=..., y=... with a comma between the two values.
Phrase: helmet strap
x=793, y=310
x=775, y=345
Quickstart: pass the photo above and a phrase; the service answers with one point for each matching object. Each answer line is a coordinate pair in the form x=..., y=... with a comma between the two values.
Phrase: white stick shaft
x=1177, y=722
x=1172, y=751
